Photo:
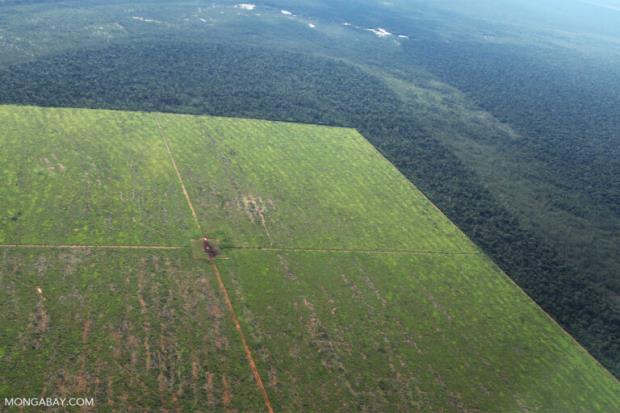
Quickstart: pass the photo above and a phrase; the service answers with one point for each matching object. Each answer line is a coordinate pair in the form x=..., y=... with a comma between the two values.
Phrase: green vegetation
x=144, y=330
x=259, y=183
x=363, y=297
x=463, y=158
x=394, y=332
x=90, y=178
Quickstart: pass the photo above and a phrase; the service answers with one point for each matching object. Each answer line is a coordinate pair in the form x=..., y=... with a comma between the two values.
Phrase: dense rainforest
x=565, y=111
x=259, y=83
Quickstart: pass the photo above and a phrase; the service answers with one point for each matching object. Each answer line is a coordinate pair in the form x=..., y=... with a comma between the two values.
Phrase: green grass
x=399, y=311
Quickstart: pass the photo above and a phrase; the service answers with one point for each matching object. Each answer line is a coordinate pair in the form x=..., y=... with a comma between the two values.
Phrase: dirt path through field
x=218, y=276
x=246, y=348
x=176, y=169
x=108, y=247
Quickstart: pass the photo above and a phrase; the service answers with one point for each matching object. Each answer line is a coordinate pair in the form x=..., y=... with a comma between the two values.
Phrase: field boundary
x=555, y=322
x=176, y=248
x=248, y=353
x=77, y=246
x=354, y=251
x=246, y=347
x=176, y=169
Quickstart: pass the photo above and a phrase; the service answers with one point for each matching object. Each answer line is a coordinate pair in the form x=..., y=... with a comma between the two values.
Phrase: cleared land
x=141, y=330
x=352, y=292
x=87, y=177
x=268, y=184
x=406, y=333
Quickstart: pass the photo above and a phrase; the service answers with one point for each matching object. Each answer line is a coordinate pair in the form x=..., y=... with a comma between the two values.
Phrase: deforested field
x=338, y=286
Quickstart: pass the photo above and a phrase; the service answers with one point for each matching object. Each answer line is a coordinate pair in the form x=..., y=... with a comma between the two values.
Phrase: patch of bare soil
x=227, y=395
x=82, y=379
x=256, y=208
x=40, y=320
x=209, y=388
x=61, y=383
x=273, y=377
x=109, y=392
x=195, y=374
x=133, y=345
x=98, y=390
x=52, y=166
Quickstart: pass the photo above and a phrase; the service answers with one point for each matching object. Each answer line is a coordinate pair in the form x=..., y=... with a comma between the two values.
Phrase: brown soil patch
x=226, y=396
x=195, y=374
x=85, y=331
x=52, y=166
x=81, y=381
x=109, y=393
x=273, y=377
x=40, y=321
x=209, y=384
x=116, y=351
x=256, y=209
